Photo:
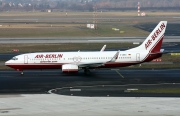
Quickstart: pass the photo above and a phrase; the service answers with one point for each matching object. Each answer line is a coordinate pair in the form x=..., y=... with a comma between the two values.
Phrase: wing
x=96, y=64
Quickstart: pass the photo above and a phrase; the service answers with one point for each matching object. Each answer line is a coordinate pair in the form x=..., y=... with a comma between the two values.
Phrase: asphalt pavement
x=43, y=81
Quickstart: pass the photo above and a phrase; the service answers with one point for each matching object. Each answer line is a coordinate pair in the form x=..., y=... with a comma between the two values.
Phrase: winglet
x=103, y=48
x=115, y=57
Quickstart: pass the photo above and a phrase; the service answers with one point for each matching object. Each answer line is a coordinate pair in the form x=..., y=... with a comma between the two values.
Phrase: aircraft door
x=137, y=56
x=25, y=59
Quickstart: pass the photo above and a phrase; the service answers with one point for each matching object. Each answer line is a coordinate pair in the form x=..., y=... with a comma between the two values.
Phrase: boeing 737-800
x=74, y=61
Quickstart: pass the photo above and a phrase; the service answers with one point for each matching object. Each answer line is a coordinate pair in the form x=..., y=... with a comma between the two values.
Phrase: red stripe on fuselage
x=58, y=66
x=35, y=66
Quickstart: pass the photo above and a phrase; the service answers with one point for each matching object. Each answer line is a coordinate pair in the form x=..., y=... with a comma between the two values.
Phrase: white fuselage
x=55, y=60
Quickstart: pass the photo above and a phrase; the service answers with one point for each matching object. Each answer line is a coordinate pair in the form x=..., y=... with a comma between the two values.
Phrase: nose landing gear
x=22, y=73
x=20, y=70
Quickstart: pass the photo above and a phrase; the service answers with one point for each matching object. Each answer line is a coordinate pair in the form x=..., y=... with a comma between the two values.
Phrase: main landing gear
x=87, y=71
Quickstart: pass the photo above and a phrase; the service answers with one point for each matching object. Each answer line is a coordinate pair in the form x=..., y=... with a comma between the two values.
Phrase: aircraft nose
x=7, y=62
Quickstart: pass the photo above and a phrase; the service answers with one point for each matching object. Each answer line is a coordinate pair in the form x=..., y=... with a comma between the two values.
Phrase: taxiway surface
x=43, y=81
x=19, y=100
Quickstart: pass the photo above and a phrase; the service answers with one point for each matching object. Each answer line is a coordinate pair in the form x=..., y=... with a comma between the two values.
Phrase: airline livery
x=74, y=61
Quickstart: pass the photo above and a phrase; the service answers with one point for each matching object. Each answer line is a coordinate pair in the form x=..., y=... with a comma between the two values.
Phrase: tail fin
x=153, y=42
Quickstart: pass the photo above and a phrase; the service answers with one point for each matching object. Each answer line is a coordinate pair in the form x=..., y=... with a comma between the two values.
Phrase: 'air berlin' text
x=49, y=56
x=155, y=35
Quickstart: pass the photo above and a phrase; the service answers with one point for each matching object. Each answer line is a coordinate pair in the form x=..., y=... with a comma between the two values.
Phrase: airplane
x=74, y=61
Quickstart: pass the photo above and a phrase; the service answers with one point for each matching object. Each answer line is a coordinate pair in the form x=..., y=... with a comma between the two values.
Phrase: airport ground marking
x=119, y=73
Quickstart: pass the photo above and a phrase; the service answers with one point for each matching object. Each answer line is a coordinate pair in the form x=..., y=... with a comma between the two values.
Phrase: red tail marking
x=157, y=47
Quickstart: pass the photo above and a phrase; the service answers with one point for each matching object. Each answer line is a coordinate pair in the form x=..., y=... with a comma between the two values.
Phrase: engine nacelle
x=68, y=68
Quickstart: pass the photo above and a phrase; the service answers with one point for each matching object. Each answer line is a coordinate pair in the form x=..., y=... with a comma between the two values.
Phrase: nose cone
x=7, y=62
x=10, y=64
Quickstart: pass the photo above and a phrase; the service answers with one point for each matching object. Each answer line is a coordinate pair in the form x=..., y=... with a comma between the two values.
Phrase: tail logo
x=155, y=35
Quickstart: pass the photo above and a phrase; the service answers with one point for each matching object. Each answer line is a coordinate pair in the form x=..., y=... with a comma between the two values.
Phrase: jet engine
x=68, y=68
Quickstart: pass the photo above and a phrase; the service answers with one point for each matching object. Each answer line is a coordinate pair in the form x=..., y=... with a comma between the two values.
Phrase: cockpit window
x=14, y=58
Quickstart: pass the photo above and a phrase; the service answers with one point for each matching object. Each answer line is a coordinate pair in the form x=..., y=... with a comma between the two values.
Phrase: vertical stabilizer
x=154, y=41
